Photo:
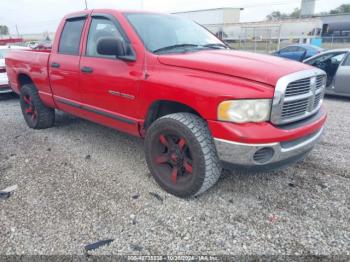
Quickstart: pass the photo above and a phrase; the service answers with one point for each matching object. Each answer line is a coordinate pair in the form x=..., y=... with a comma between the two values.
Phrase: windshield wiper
x=168, y=48
x=216, y=46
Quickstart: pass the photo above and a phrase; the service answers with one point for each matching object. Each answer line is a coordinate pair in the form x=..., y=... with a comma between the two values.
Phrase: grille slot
x=320, y=80
x=294, y=109
x=299, y=87
x=317, y=101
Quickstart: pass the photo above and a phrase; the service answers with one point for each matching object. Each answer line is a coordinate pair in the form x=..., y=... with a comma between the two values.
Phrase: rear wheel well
x=165, y=107
x=24, y=79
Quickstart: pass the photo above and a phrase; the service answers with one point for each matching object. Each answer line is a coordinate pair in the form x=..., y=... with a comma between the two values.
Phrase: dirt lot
x=80, y=182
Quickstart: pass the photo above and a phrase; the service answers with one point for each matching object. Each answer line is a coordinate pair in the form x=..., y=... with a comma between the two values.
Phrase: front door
x=109, y=85
x=342, y=78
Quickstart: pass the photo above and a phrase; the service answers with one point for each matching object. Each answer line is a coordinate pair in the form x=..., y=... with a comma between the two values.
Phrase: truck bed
x=33, y=63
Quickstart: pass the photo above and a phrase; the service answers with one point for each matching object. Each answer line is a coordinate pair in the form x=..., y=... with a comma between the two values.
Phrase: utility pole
x=86, y=5
x=17, y=31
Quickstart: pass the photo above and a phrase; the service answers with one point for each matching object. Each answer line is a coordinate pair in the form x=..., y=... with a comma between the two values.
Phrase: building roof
x=210, y=9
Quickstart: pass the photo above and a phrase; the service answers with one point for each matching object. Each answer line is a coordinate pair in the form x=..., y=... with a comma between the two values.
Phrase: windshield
x=3, y=52
x=170, y=33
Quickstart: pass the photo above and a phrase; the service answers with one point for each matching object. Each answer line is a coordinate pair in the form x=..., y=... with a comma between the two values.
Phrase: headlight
x=243, y=111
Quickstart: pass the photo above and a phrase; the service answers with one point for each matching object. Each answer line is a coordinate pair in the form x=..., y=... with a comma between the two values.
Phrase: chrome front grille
x=298, y=96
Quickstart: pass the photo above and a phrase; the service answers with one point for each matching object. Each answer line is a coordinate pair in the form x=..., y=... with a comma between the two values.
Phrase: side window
x=289, y=49
x=329, y=58
x=347, y=61
x=71, y=36
x=301, y=49
x=338, y=58
x=100, y=28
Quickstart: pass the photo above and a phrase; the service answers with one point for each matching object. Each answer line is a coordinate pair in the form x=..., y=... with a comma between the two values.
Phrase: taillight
x=2, y=69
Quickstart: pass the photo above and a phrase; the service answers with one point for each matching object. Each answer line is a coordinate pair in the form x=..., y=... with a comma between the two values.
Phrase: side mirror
x=115, y=47
x=111, y=46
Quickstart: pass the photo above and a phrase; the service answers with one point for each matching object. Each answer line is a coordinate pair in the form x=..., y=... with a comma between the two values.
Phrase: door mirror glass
x=111, y=47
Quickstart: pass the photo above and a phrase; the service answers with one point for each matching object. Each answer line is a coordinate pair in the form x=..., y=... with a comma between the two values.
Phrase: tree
x=341, y=9
x=296, y=13
x=4, y=30
x=276, y=15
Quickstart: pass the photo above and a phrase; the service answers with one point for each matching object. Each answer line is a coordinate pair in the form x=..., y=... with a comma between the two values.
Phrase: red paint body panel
x=123, y=92
x=10, y=41
x=256, y=67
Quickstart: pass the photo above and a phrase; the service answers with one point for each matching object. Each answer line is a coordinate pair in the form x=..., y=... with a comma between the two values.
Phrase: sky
x=38, y=16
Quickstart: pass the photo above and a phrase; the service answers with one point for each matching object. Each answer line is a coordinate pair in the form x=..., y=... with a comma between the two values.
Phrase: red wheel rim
x=29, y=108
x=173, y=160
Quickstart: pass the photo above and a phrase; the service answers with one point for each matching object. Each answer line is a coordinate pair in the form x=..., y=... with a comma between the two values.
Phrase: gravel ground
x=80, y=182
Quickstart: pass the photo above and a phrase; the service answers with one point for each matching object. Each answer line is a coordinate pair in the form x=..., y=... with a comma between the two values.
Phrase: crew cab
x=199, y=106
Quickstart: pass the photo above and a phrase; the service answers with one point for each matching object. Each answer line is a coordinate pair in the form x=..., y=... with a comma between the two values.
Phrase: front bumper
x=265, y=156
x=4, y=89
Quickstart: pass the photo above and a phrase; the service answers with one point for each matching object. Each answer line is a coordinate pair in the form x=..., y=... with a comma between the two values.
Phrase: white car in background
x=4, y=83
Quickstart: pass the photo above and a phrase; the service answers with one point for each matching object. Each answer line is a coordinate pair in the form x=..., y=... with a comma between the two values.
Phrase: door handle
x=87, y=69
x=55, y=65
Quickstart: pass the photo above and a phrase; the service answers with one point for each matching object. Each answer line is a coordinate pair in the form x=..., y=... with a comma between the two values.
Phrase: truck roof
x=110, y=11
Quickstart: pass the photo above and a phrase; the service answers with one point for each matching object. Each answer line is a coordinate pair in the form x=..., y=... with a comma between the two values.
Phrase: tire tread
x=46, y=115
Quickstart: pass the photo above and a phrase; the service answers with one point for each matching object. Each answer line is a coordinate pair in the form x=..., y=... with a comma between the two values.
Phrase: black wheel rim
x=29, y=109
x=172, y=160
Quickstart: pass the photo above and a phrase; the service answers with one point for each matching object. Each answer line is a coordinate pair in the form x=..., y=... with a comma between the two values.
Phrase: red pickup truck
x=199, y=106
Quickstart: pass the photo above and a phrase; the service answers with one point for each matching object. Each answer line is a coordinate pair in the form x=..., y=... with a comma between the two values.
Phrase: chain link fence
x=269, y=45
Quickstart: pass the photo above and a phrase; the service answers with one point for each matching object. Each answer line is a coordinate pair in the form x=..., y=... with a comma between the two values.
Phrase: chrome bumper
x=264, y=154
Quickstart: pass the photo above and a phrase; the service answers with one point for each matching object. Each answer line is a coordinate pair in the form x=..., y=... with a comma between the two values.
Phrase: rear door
x=342, y=77
x=109, y=85
x=64, y=64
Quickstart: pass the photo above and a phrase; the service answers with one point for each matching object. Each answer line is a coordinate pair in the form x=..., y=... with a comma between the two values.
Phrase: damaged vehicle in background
x=336, y=63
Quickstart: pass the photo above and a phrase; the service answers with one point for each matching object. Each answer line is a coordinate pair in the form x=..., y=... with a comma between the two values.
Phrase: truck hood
x=256, y=67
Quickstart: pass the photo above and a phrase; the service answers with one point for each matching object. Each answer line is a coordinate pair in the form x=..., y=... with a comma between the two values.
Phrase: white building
x=285, y=29
x=308, y=7
x=217, y=16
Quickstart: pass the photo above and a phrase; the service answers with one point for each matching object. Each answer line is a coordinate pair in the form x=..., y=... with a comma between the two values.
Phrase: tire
x=181, y=155
x=35, y=113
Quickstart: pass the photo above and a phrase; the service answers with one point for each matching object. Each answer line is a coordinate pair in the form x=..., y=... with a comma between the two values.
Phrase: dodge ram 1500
x=200, y=106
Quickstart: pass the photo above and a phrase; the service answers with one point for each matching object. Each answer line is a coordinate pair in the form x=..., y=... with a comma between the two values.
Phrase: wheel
x=36, y=114
x=181, y=155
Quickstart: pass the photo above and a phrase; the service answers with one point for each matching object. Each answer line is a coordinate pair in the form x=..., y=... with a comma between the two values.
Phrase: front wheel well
x=24, y=79
x=164, y=107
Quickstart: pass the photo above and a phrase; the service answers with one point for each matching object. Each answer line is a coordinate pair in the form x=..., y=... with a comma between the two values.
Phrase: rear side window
x=301, y=49
x=347, y=61
x=71, y=36
x=289, y=49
